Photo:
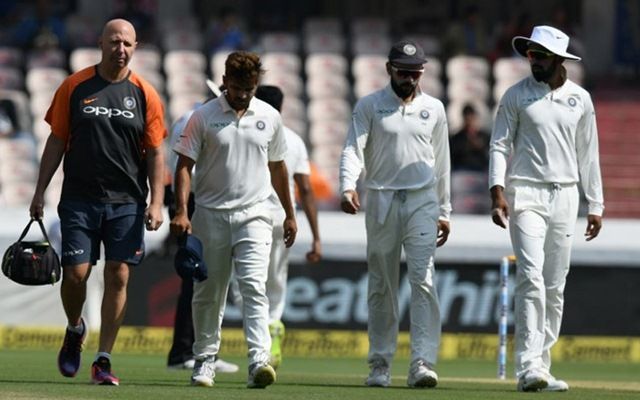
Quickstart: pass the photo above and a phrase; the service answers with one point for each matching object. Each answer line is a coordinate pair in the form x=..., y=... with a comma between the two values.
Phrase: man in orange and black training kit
x=108, y=124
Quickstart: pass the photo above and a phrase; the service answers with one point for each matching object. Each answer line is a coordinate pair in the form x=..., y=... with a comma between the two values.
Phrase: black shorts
x=85, y=225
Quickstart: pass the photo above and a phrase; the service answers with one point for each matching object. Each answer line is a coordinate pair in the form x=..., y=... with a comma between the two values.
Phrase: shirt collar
x=545, y=86
x=389, y=91
x=226, y=107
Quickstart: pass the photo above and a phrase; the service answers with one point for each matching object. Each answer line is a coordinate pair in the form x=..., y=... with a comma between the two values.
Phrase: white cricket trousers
x=278, y=268
x=542, y=224
x=238, y=239
x=410, y=224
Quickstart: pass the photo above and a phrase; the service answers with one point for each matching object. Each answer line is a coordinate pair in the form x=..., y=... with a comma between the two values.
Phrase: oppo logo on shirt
x=108, y=112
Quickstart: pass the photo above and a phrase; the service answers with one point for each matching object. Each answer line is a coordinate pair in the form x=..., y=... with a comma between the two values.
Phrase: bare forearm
x=280, y=183
x=183, y=184
x=311, y=211
x=51, y=158
x=308, y=203
x=155, y=167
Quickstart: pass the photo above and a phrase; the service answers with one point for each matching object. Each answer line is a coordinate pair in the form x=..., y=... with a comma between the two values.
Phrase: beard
x=405, y=90
x=543, y=75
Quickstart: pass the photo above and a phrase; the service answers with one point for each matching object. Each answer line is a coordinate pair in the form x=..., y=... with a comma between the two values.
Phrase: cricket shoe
x=421, y=375
x=225, y=367
x=69, y=355
x=556, y=385
x=203, y=372
x=379, y=374
x=276, y=330
x=188, y=364
x=533, y=381
x=261, y=375
x=101, y=373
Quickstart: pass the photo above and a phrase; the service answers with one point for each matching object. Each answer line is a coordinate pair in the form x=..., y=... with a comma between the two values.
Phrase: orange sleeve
x=155, y=129
x=58, y=115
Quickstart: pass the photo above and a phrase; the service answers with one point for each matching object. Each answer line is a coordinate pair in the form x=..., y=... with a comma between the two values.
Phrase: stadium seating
x=83, y=57
x=331, y=64
x=11, y=78
x=279, y=42
x=11, y=57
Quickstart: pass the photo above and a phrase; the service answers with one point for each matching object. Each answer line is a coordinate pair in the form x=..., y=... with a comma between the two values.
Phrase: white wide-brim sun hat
x=548, y=37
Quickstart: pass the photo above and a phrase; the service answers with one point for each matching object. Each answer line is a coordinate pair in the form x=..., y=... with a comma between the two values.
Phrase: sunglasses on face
x=407, y=73
x=538, y=54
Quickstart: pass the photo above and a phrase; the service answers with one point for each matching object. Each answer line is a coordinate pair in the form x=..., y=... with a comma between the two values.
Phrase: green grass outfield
x=32, y=374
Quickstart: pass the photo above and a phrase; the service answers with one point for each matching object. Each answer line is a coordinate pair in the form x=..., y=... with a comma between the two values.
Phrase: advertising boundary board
x=332, y=295
x=331, y=343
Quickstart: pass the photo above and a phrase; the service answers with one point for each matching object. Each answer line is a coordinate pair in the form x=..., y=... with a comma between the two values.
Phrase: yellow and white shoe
x=276, y=330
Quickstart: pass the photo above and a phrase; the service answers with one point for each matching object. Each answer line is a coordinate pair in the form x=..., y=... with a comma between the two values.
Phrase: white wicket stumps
x=504, y=313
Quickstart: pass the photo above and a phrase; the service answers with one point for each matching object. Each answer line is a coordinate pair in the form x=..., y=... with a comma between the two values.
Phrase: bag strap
x=26, y=229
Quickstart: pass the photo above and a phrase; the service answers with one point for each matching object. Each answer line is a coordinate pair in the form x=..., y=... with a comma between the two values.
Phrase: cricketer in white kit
x=399, y=135
x=238, y=145
x=297, y=161
x=544, y=141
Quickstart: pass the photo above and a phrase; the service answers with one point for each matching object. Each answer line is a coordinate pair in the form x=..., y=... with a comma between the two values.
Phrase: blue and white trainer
x=69, y=355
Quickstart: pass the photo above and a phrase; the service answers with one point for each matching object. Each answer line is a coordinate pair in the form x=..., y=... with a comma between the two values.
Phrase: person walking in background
x=400, y=136
x=544, y=141
x=238, y=145
x=181, y=352
x=108, y=124
x=470, y=145
x=297, y=160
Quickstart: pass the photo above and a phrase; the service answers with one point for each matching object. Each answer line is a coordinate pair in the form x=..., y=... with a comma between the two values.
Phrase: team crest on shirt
x=572, y=101
x=424, y=114
x=260, y=125
x=129, y=103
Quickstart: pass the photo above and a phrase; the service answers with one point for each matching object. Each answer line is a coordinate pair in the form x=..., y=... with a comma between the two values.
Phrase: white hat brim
x=521, y=43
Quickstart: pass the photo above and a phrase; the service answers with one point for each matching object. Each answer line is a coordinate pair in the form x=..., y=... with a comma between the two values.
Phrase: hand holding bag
x=32, y=263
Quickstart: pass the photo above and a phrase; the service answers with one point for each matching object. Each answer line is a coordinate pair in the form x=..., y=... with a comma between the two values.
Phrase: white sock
x=103, y=354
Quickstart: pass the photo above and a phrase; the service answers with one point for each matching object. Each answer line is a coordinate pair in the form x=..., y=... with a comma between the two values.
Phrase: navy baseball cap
x=407, y=52
x=189, y=260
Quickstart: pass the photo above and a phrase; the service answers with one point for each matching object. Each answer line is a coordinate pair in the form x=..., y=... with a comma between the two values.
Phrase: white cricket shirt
x=297, y=161
x=176, y=130
x=551, y=137
x=231, y=153
x=402, y=146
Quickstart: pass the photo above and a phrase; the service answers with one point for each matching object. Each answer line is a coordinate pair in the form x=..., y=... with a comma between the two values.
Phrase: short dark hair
x=271, y=95
x=243, y=66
